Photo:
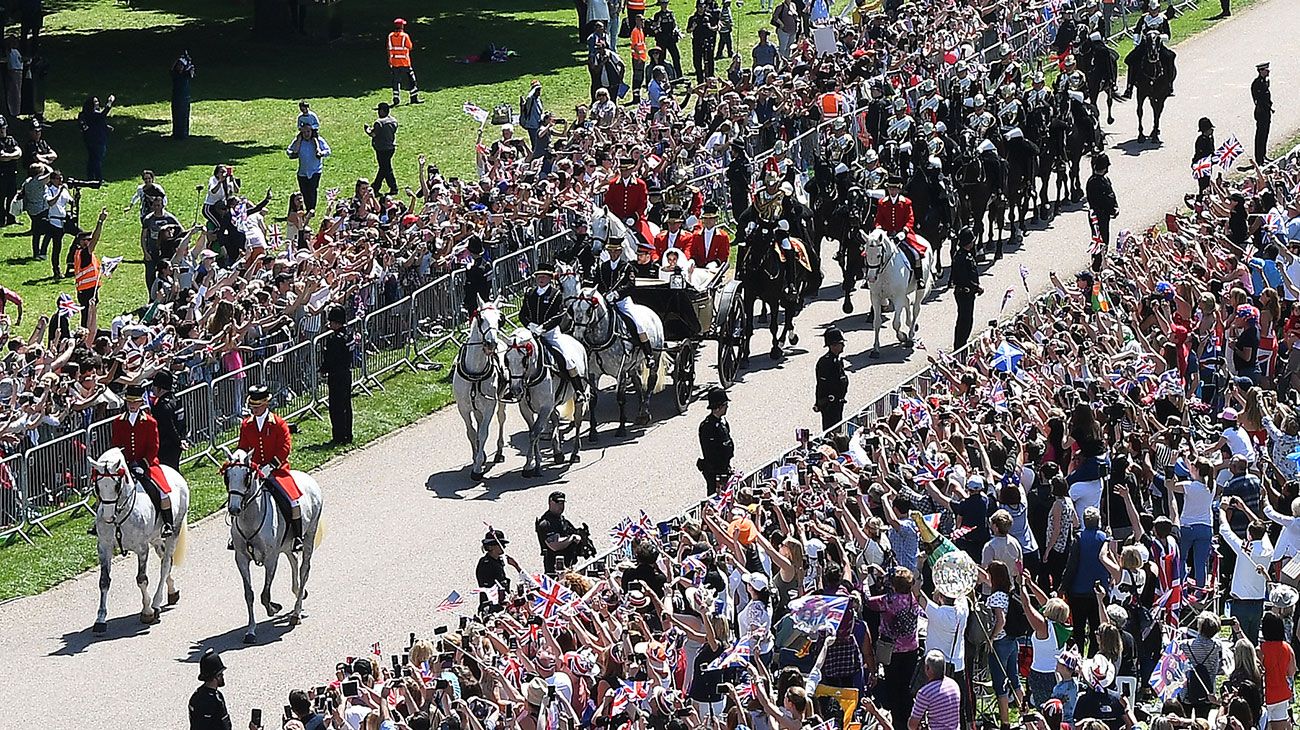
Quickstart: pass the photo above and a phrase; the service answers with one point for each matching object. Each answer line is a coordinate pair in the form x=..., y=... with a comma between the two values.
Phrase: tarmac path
x=404, y=520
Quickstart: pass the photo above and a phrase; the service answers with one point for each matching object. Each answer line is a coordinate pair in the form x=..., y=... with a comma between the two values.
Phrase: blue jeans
x=1004, y=666
x=1195, y=547
x=1248, y=613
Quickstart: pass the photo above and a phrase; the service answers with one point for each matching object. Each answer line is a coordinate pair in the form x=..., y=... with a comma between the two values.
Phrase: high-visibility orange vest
x=636, y=6
x=399, y=49
x=87, y=276
x=830, y=104
x=639, y=52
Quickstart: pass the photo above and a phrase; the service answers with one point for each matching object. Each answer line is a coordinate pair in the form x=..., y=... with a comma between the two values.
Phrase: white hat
x=757, y=581
x=841, y=168
x=940, y=127
x=1014, y=133
x=813, y=547
x=1099, y=672
x=1094, y=36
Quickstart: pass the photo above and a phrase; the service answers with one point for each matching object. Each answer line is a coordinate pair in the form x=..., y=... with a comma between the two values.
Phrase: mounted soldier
x=266, y=438
x=135, y=432
x=895, y=216
x=541, y=312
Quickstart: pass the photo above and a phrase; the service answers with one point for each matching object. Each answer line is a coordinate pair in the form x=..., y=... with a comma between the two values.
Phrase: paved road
x=405, y=519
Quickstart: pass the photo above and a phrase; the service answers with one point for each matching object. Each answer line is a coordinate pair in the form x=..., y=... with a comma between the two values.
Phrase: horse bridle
x=123, y=503
x=478, y=378
x=248, y=497
x=869, y=267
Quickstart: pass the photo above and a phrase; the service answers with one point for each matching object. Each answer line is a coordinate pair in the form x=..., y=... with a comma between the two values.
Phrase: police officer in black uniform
x=170, y=415
x=1262, y=95
x=207, y=705
x=663, y=26
x=703, y=27
x=491, y=570
x=561, y=543
x=478, y=277
x=1204, y=148
x=832, y=380
x=10, y=155
x=1101, y=202
x=965, y=279
x=336, y=367
x=716, y=446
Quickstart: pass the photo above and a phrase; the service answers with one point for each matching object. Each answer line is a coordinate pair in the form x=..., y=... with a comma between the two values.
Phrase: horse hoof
x=643, y=420
x=173, y=598
x=99, y=627
x=273, y=608
x=499, y=458
x=1142, y=138
x=847, y=307
x=295, y=619
x=528, y=473
x=575, y=458
x=794, y=339
x=250, y=638
x=558, y=458
x=593, y=437
x=148, y=619
x=620, y=431
x=476, y=476
x=1110, y=119
x=874, y=355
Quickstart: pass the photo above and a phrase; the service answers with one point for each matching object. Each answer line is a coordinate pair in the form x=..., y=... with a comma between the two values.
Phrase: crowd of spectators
x=1118, y=462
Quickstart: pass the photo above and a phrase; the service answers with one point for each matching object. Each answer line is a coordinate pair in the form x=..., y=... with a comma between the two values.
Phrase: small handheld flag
x=1228, y=152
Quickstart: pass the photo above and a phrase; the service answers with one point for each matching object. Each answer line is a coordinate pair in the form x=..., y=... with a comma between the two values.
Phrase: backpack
x=979, y=625
x=502, y=114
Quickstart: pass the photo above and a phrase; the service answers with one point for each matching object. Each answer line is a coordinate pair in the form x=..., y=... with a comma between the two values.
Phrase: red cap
x=399, y=21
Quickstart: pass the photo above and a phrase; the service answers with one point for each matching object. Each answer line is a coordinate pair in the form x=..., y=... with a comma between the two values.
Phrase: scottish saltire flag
x=1202, y=168
x=1007, y=357
x=1228, y=152
x=738, y=654
x=1171, y=673
x=813, y=613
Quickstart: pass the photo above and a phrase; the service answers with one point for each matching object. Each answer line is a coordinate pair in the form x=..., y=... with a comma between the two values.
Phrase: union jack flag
x=331, y=195
x=67, y=307
x=812, y=613
x=623, y=532
x=513, y=670
x=1228, y=152
x=630, y=692
x=277, y=236
x=1171, y=673
x=1123, y=379
x=1201, y=168
x=451, y=602
x=929, y=473
x=551, y=596
x=740, y=652
x=523, y=266
x=997, y=397
x=1098, y=244
x=915, y=409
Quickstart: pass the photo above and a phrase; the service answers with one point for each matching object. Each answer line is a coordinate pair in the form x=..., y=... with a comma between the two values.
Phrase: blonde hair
x=1131, y=557
x=1057, y=611
x=421, y=652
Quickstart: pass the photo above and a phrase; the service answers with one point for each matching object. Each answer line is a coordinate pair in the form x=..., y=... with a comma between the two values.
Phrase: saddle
x=153, y=479
x=800, y=253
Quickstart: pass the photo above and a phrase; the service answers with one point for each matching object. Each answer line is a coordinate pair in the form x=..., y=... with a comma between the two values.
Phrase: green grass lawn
x=245, y=98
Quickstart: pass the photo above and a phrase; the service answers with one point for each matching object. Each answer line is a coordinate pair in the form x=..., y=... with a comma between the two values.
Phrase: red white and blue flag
x=1171, y=673
x=551, y=596
x=629, y=693
x=1201, y=168
x=813, y=613
x=451, y=602
x=739, y=653
x=929, y=473
x=67, y=307
x=1228, y=152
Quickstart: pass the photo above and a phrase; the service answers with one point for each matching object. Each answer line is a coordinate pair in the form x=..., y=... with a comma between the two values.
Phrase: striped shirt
x=939, y=703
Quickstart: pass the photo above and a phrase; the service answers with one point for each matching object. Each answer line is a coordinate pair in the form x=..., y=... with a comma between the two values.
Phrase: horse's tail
x=178, y=553
x=321, y=527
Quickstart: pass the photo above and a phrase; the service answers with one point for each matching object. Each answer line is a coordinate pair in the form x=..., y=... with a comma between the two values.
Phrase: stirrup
x=297, y=545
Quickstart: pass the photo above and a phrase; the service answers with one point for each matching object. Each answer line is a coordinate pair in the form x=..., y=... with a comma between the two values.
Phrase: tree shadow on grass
x=135, y=140
x=233, y=65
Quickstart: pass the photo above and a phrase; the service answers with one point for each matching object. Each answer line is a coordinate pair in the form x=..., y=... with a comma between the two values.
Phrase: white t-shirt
x=59, y=206
x=756, y=621
x=253, y=231
x=1197, y=507
x=1239, y=441
x=946, y=631
x=562, y=684
x=1085, y=495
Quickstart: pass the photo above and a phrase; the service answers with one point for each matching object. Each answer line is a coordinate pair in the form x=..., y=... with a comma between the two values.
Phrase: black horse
x=1049, y=133
x=1022, y=169
x=932, y=206
x=823, y=198
x=980, y=179
x=1082, y=136
x=1152, y=70
x=780, y=284
x=1101, y=71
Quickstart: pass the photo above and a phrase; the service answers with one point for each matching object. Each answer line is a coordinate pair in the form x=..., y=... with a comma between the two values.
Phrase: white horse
x=614, y=349
x=889, y=276
x=126, y=518
x=477, y=381
x=535, y=381
x=260, y=533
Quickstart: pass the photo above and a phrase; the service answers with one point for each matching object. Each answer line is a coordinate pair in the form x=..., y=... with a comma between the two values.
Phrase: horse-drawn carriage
x=690, y=316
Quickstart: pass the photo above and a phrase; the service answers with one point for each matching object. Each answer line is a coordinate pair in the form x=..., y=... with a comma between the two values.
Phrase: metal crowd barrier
x=51, y=477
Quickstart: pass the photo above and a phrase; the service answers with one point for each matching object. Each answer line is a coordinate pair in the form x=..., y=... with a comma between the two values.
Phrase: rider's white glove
x=750, y=228
x=611, y=297
x=783, y=225
x=265, y=470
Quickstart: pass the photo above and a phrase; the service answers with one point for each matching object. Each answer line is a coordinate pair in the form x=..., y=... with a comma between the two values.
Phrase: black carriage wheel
x=731, y=338
x=684, y=376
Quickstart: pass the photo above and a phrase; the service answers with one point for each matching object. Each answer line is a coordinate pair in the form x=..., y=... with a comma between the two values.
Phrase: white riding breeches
x=624, y=305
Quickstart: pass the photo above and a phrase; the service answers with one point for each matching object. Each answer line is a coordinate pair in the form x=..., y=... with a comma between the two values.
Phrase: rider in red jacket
x=894, y=215
x=135, y=432
x=265, y=436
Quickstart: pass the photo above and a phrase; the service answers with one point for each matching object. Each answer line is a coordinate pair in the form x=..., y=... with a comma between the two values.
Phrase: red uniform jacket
x=894, y=217
x=271, y=443
x=719, y=247
x=138, y=442
x=683, y=240
x=627, y=198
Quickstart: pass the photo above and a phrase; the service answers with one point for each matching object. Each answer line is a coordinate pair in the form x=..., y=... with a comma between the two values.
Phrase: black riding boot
x=168, y=522
x=645, y=347
x=295, y=524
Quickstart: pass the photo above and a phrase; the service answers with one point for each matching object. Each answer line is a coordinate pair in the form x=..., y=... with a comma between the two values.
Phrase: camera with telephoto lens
x=75, y=183
x=586, y=548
